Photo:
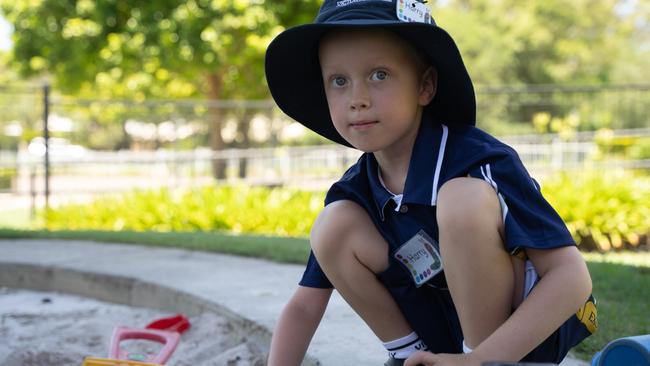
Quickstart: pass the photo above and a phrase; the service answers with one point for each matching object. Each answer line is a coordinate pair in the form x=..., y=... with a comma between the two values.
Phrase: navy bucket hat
x=293, y=69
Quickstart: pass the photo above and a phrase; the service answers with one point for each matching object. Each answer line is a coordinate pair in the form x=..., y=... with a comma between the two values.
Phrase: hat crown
x=333, y=11
x=337, y=10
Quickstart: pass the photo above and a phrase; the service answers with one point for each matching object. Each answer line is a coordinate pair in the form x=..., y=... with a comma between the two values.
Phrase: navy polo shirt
x=440, y=154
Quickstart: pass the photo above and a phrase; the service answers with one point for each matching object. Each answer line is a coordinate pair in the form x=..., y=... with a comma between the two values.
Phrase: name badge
x=413, y=11
x=420, y=257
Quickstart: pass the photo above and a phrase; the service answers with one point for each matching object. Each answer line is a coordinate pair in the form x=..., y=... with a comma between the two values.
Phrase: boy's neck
x=394, y=162
x=393, y=170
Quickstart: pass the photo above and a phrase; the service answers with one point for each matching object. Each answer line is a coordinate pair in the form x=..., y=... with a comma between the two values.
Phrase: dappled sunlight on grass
x=630, y=258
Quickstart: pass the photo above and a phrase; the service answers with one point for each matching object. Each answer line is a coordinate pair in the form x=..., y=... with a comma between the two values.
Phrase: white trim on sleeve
x=441, y=156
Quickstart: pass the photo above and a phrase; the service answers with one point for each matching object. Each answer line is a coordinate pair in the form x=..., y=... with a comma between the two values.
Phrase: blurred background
x=150, y=122
x=118, y=114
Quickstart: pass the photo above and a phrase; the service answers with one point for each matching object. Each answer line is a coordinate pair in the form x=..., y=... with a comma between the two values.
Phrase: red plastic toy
x=177, y=323
x=166, y=331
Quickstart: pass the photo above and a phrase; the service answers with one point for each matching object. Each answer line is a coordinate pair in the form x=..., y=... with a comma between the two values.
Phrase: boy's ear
x=428, y=85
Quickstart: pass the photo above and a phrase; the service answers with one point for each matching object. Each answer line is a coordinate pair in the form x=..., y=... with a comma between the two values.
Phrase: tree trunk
x=243, y=139
x=214, y=113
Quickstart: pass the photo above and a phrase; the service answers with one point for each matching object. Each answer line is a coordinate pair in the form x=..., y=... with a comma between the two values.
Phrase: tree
x=522, y=43
x=543, y=41
x=140, y=49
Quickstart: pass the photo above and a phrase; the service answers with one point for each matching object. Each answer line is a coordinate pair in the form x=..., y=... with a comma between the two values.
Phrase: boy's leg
x=351, y=252
x=483, y=279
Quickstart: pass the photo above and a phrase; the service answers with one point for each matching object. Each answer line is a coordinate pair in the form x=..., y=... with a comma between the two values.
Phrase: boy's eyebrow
x=379, y=61
x=329, y=67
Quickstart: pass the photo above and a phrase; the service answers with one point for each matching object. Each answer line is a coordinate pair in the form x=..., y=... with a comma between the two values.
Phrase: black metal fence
x=74, y=146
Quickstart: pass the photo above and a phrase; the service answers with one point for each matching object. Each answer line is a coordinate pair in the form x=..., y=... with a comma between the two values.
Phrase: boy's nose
x=360, y=99
x=359, y=104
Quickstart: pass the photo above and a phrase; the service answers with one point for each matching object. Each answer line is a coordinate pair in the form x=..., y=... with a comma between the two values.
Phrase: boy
x=437, y=237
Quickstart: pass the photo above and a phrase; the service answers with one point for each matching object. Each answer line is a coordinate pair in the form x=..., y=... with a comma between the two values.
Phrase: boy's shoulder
x=357, y=172
x=354, y=185
x=472, y=135
x=465, y=143
x=470, y=143
x=454, y=153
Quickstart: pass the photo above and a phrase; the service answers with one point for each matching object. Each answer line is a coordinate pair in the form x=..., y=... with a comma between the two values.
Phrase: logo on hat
x=348, y=2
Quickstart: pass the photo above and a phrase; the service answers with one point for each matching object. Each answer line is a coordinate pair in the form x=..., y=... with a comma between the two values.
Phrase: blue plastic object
x=629, y=351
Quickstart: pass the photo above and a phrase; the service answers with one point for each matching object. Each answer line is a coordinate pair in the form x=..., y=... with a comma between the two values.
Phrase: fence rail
x=313, y=167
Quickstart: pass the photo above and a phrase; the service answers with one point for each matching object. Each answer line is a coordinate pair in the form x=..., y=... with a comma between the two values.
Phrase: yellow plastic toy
x=94, y=361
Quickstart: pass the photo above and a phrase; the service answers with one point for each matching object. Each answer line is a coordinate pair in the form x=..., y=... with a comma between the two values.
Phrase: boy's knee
x=343, y=228
x=332, y=226
x=467, y=204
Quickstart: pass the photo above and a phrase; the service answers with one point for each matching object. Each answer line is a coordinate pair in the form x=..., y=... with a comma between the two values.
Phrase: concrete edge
x=132, y=292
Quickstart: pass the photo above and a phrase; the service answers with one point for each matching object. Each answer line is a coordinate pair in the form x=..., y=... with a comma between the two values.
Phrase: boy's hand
x=441, y=359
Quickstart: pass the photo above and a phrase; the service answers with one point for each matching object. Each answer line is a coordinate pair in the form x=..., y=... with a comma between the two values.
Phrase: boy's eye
x=338, y=81
x=379, y=75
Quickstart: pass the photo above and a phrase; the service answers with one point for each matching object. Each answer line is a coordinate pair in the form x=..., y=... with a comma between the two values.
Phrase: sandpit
x=48, y=328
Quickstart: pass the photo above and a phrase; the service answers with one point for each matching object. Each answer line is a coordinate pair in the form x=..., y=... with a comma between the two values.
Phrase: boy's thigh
x=345, y=228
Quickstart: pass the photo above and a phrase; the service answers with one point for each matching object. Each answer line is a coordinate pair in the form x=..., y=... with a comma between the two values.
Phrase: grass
x=286, y=250
x=621, y=280
x=622, y=293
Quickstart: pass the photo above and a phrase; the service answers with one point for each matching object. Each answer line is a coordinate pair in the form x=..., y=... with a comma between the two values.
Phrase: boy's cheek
x=337, y=109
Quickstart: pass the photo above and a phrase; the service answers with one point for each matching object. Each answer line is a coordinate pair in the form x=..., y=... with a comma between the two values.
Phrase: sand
x=47, y=328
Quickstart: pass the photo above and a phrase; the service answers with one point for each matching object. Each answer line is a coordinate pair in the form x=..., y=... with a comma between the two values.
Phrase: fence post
x=46, y=142
x=557, y=160
x=32, y=192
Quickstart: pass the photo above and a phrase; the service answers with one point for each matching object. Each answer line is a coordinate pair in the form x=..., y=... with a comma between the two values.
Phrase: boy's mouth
x=361, y=125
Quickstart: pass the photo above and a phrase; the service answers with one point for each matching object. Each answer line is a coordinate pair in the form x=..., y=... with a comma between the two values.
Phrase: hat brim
x=294, y=77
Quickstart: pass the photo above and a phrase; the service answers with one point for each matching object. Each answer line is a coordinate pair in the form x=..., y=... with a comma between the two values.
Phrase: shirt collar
x=422, y=179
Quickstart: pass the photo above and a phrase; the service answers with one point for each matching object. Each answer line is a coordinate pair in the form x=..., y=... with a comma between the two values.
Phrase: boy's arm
x=297, y=325
x=564, y=286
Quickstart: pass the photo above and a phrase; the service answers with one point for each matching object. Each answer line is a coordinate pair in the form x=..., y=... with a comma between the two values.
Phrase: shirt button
x=404, y=209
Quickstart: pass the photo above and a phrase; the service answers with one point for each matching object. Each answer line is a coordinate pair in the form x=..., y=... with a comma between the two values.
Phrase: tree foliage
x=550, y=41
x=178, y=48
x=166, y=48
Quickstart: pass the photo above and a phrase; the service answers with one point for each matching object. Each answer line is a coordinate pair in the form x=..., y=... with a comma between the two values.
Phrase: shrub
x=276, y=211
x=622, y=147
x=603, y=210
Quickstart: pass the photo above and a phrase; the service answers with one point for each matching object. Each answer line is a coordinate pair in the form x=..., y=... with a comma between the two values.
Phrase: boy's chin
x=366, y=145
x=366, y=148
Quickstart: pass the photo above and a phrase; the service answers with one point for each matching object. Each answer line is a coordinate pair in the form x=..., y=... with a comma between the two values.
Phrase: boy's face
x=376, y=88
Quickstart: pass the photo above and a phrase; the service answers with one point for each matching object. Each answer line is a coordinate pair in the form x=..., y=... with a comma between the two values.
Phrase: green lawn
x=621, y=280
x=622, y=293
x=287, y=250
